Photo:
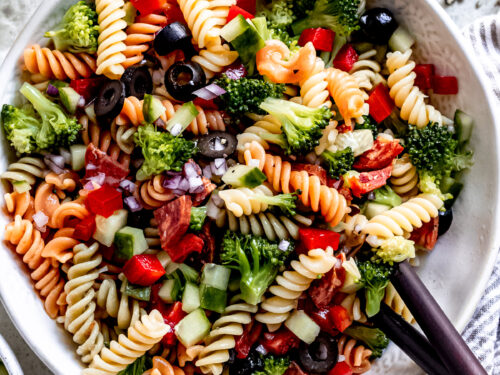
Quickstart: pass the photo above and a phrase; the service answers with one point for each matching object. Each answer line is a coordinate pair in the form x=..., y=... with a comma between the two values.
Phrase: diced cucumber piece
x=244, y=176
x=401, y=40
x=169, y=291
x=190, y=297
x=141, y=293
x=130, y=13
x=106, y=228
x=302, y=326
x=77, y=156
x=197, y=218
x=452, y=186
x=152, y=108
x=247, y=45
x=193, y=328
x=234, y=28
x=215, y=275
x=463, y=127
x=182, y=118
x=69, y=99
x=260, y=24
x=129, y=241
x=212, y=299
x=189, y=273
x=373, y=209
x=21, y=186
x=58, y=84
x=362, y=47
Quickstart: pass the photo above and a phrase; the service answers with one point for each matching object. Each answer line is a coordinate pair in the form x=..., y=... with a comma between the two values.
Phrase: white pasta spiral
x=221, y=338
x=79, y=318
x=111, y=38
x=353, y=305
x=141, y=337
x=353, y=230
x=314, y=89
x=201, y=21
x=404, y=177
x=27, y=169
x=264, y=128
x=290, y=285
x=214, y=58
x=396, y=303
x=244, y=201
x=404, y=217
x=406, y=95
x=366, y=71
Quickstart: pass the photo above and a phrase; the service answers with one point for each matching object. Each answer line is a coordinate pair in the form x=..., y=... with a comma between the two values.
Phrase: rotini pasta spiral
x=151, y=193
x=353, y=305
x=290, y=285
x=65, y=181
x=243, y=201
x=60, y=247
x=163, y=367
x=141, y=337
x=123, y=135
x=396, y=303
x=111, y=38
x=406, y=95
x=107, y=298
x=44, y=63
x=346, y=94
x=314, y=89
x=215, y=57
x=221, y=338
x=67, y=210
x=27, y=169
x=20, y=204
x=404, y=177
x=353, y=230
x=201, y=21
x=128, y=310
x=404, y=217
x=80, y=319
x=152, y=234
x=366, y=71
x=264, y=130
x=45, y=273
x=356, y=355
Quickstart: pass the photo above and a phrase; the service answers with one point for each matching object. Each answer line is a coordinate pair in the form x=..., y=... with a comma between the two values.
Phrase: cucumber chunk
x=244, y=176
x=215, y=275
x=212, y=299
x=129, y=241
x=190, y=297
x=373, y=209
x=260, y=25
x=234, y=28
x=401, y=40
x=193, y=328
x=182, y=118
x=141, y=293
x=189, y=273
x=106, y=228
x=77, y=156
x=463, y=126
x=302, y=326
x=69, y=99
x=152, y=108
x=169, y=291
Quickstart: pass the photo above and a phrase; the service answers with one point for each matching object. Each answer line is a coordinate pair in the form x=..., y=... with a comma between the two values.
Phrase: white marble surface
x=15, y=13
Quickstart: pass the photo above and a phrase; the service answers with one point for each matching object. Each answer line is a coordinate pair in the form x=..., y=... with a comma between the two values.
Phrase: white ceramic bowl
x=9, y=359
x=457, y=269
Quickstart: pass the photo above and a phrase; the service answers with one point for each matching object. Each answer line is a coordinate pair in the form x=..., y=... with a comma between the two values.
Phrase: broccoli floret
x=246, y=94
x=257, y=259
x=162, y=151
x=374, y=278
x=47, y=129
x=78, y=31
x=385, y=195
x=285, y=37
x=341, y=16
x=369, y=124
x=279, y=13
x=302, y=7
x=376, y=340
x=427, y=185
x=284, y=202
x=198, y=216
x=274, y=365
x=301, y=125
x=338, y=162
x=396, y=249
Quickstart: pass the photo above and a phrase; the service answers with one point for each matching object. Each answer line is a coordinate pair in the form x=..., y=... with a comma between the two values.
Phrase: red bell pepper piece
x=245, y=341
x=314, y=238
x=146, y=7
x=173, y=12
x=340, y=317
x=369, y=181
x=205, y=104
x=85, y=229
x=345, y=58
x=341, y=368
x=294, y=369
x=381, y=103
x=445, y=85
x=323, y=319
x=235, y=11
x=424, y=73
x=322, y=39
x=427, y=235
x=312, y=170
x=143, y=269
x=248, y=5
x=190, y=243
x=172, y=316
x=104, y=201
x=87, y=87
x=279, y=342
x=379, y=156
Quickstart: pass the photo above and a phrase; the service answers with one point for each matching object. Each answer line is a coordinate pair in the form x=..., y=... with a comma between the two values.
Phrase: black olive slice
x=378, y=24
x=320, y=356
x=172, y=37
x=137, y=81
x=182, y=78
x=109, y=101
x=247, y=366
x=445, y=220
x=217, y=145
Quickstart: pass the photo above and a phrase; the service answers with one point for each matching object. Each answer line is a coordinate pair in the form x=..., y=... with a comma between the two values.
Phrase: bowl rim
x=46, y=7
x=8, y=358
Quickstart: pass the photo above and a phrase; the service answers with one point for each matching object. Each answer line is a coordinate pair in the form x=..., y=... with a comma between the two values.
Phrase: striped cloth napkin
x=483, y=331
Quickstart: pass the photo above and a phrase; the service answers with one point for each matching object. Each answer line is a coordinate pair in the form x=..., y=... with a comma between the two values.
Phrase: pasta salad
x=224, y=187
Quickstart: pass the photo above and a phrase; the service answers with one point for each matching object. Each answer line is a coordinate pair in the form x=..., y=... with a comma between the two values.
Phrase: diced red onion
x=207, y=171
x=66, y=155
x=195, y=184
x=132, y=203
x=89, y=186
x=127, y=185
x=219, y=166
x=160, y=123
x=236, y=71
x=56, y=159
x=40, y=220
x=209, y=92
x=98, y=179
x=173, y=173
x=218, y=146
x=90, y=167
x=179, y=192
x=158, y=77
x=283, y=245
x=371, y=196
x=189, y=170
x=217, y=200
x=173, y=182
x=81, y=102
x=52, y=90
x=212, y=210
x=184, y=185
x=261, y=350
x=219, y=162
x=53, y=166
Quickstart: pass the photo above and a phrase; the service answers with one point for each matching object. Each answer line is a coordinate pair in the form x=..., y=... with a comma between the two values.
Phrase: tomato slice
x=341, y=368
x=340, y=317
x=369, y=181
x=279, y=342
x=379, y=156
x=245, y=341
x=427, y=235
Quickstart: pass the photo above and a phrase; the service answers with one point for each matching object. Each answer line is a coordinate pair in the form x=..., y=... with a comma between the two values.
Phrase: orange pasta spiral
x=61, y=246
x=20, y=204
x=67, y=210
x=64, y=182
x=356, y=356
x=45, y=273
x=346, y=93
x=162, y=367
x=46, y=201
x=313, y=89
x=151, y=193
x=140, y=35
x=56, y=64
